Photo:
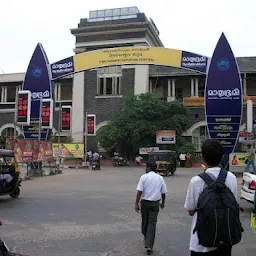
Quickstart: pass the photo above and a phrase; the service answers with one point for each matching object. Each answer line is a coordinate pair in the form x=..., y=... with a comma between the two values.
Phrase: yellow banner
x=193, y=102
x=199, y=101
x=127, y=55
x=70, y=150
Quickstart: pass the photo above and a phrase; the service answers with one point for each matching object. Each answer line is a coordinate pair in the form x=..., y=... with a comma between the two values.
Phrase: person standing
x=250, y=159
x=182, y=158
x=212, y=155
x=188, y=160
x=151, y=189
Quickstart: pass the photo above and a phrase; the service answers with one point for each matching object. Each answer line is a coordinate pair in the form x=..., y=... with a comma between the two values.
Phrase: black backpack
x=218, y=221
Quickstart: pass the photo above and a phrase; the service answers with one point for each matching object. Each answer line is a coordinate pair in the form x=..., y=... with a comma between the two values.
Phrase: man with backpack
x=212, y=201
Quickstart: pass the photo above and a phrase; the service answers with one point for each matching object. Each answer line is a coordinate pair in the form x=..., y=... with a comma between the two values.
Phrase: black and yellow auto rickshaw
x=10, y=181
x=165, y=160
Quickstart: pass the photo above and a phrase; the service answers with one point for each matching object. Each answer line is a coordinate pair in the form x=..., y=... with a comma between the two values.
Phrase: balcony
x=199, y=101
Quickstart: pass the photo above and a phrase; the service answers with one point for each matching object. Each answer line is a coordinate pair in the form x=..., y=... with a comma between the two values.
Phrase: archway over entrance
x=221, y=68
x=129, y=56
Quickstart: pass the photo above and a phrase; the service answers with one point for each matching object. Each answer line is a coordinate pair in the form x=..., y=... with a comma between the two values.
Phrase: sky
x=189, y=25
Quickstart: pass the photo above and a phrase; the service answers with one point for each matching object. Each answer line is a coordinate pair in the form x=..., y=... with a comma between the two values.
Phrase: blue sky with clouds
x=184, y=24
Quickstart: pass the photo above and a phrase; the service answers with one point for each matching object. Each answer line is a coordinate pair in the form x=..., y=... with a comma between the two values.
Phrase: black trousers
x=223, y=251
x=149, y=213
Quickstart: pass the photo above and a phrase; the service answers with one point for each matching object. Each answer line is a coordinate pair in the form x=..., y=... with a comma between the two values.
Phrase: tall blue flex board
x=223, y=98
x=38, y=81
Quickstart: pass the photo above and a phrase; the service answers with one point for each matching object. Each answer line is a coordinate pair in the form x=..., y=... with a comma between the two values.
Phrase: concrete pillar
x=196, y=87
x=78, y=119
x=150, y=86
x=5, y=93
x=2, y=94
x=169, y=88
x=141, y=79
x=173, y=88
x=192, y=87
x=245, y=84
x=59, y=91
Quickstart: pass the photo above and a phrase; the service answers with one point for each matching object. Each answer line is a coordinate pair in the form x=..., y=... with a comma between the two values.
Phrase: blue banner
x=223, y=97
x=194, y=62
x=38, y=81
x=62, y=68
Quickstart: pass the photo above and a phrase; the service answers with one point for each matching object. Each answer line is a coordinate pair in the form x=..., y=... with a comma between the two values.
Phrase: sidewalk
x=24, y=176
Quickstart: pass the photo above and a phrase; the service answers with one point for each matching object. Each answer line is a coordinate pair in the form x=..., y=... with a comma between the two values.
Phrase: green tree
x=137, y=123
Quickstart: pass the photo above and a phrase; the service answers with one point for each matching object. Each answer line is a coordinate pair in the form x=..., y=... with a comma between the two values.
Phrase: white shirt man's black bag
x=218, y=222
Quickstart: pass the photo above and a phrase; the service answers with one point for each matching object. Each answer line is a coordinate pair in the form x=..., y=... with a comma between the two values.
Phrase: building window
x=11, y=94
x=109, y=81
x=109, y=85
x=8, y=132
x=118, y=80
x=66, y=91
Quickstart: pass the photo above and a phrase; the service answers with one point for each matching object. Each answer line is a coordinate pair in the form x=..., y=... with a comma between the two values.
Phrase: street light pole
x=15, y=114
x=59, y=129
x=85, y=135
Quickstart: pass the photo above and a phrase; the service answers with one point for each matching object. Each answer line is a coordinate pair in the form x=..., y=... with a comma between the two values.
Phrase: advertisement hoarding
x=238, y=159
x=47, y=113
x=223, y=97
x=91, y=124
x=38, y=82
x=23, y=107
x=166, y=137
x=145, y=151
x=29, y=150
x=66, y=118
x=68, y=150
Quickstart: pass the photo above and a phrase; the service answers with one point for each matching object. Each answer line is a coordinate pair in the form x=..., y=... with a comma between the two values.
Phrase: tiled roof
x=246, y=65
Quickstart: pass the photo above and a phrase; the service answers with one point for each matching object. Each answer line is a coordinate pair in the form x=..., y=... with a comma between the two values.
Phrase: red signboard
x=66, y=118
x=91, y=124
x=23, y=107
x=47, y=113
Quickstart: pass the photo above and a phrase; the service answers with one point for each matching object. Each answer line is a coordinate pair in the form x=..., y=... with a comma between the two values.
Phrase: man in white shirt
x=212, y=155
x=182, y=158
x=150, y=189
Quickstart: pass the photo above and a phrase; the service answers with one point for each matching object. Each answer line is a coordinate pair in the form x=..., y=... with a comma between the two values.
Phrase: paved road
x=91, y=213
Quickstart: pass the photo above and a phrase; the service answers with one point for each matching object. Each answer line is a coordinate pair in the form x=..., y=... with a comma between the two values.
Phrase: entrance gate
x=223, y=89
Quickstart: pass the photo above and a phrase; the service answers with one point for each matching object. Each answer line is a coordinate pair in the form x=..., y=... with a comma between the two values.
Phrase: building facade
x=101, y=91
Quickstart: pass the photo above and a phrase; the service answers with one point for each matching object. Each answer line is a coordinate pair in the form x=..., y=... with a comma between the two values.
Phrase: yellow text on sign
x=127, y=55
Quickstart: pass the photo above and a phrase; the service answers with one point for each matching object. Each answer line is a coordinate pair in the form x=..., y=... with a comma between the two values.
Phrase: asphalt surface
x=90, y=213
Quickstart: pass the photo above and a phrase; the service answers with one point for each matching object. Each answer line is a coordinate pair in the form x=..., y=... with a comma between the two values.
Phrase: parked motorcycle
x=120, y=161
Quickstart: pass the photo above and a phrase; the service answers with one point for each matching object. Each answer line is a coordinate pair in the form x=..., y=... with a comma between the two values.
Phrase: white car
x=248, y=187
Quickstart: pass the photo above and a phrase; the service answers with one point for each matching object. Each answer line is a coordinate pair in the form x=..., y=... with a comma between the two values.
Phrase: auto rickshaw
x=166, y=161
x=10, y=181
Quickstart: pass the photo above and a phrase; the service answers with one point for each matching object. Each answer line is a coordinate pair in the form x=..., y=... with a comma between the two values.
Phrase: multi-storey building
x=101, y=91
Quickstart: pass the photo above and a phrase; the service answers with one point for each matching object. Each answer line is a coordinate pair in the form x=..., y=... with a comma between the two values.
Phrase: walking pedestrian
x=151, y=189
x=204, y=204
x=250, y=159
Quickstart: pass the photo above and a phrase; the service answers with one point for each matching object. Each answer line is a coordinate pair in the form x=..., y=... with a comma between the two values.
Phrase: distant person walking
x=250, y=159
x=151, y=189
